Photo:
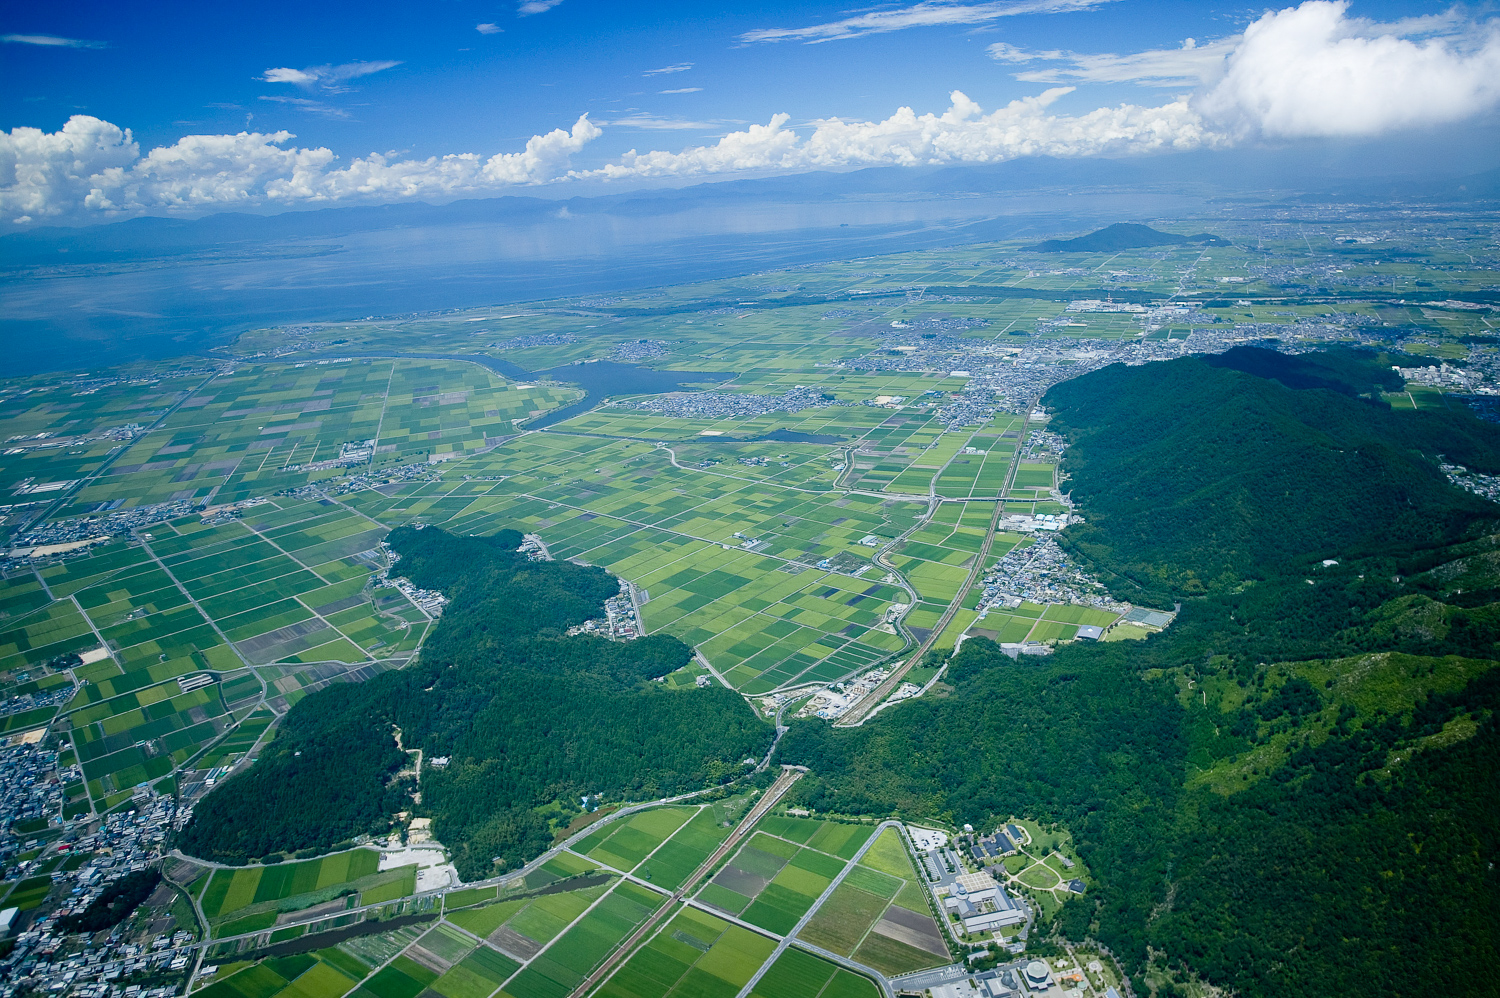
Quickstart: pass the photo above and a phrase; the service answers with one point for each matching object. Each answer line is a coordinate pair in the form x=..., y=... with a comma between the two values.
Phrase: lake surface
x=606, y=379
x=91, y=317
x=600, y=379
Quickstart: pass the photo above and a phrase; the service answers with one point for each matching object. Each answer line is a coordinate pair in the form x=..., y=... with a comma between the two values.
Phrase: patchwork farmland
x=540, y=933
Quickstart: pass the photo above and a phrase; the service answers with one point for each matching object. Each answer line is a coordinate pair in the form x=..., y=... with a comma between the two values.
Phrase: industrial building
x=982, y=903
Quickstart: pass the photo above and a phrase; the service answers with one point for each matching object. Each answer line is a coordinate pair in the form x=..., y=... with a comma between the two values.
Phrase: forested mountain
x=1123, y=236
x=527, y=716
x=1293, y=789
x=1196, y=477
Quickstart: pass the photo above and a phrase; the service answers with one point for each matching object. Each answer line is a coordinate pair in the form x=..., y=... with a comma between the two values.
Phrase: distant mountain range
x=156, y=238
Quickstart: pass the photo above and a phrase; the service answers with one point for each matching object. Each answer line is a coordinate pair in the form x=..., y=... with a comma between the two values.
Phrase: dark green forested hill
x=1094, y=747
x=1199, y=478
x=1335, y=873
x=1122, y=236
x=1292, y=790
x=527, y=716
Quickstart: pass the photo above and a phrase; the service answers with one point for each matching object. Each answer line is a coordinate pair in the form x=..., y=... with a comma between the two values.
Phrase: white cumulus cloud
x=46, y=174
x=1314, y=71
x=1308, y=71
x=760, y=147
x=961, y=134
x=202, y=171
x=92, y=167
x=545, y=157
x=529, y=7
x=488, y=29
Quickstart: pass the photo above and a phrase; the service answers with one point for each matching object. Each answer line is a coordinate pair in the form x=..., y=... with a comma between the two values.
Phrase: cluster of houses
x=1005, y=841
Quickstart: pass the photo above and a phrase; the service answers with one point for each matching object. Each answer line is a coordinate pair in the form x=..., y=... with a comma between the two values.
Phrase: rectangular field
x=879, y=915
x=693, y=955
x=231, y=890
x=563, y=965
x=674, y=860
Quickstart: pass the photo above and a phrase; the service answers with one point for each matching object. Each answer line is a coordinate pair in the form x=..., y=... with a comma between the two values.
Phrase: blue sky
x=417, y=81
x=199, y=66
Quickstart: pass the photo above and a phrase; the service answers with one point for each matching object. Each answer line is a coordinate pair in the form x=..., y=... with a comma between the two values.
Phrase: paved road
x=703, y=661
x=786, y=940
x=856, y=715
x=767, y=801
x=781, y=729
x=924, y=979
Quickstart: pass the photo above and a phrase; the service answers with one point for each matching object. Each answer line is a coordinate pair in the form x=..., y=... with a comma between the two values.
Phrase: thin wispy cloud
x=310, y=106
x=681, y=67
x=52, y=41
x=1190, y=65
x=488, y=29
x=1006, y=52
x=682, y=90
x=327, y=78
x=529, y=7
x=654, y=123
x=929, y=13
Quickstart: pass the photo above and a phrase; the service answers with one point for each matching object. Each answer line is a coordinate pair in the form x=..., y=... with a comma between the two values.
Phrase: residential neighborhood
x=62, y=867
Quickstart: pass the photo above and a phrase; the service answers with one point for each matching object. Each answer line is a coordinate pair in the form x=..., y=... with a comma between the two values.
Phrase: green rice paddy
x=879, y=914
x=693, y=955
x=796, y=974
x=240, y=900
x=662, y=846
x=304, y=976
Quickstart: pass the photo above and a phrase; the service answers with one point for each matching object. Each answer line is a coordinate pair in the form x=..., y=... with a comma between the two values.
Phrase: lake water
x=98, y=316
x=601, y=379
x=606, y=379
